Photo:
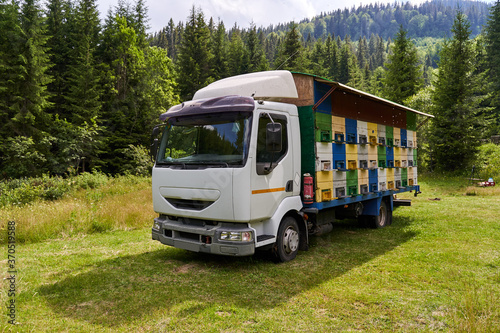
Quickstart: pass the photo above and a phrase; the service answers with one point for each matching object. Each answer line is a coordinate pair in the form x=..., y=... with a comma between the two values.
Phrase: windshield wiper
x=194, y=163
x=173, y=163
x=224, y=164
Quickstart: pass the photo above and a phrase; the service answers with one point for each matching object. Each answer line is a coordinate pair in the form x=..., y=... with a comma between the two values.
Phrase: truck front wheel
x=288, y=240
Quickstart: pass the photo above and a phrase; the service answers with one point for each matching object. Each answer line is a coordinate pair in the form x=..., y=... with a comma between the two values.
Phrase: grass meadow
x=86, y=263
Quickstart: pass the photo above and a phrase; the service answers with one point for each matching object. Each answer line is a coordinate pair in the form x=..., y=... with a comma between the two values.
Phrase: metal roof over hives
x=345, y=88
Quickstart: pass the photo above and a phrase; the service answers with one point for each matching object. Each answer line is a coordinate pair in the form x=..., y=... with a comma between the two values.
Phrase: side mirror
x=273, y=137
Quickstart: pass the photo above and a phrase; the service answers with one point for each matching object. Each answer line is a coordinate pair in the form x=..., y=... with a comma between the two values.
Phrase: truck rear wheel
x=288, y=240
x=384, y=217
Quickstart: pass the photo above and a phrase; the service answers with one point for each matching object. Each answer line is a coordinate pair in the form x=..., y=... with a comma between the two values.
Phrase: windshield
x=220, y=139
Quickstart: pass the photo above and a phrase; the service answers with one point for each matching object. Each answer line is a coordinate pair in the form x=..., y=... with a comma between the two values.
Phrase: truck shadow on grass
x=181, y=284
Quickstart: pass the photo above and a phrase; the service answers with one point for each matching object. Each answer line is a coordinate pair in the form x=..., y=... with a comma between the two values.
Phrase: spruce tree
x=493, y=55
x=379, y=53
x=194, y=59
x=84, y=95
x=361, y=53
x=10, y=59
x=271, y=48
x=173, y=37
x=291, y=53
x=256, y=58
x=140, y=23
x=10, y=71
x=455, y=130
x=344, y=69
x=356, y=74
x=123, y=108
x=27, y=122
x=32, y=96
x=60, y=29
x=317, y=59
x=404, y=74
x=219, y=47
x=331, y=58
x=237, y=54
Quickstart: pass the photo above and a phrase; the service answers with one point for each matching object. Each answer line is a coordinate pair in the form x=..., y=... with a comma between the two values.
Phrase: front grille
x=190, y=236
x=189, y=204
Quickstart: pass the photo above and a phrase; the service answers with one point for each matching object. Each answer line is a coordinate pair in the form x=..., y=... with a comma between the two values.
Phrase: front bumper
x=202, y=236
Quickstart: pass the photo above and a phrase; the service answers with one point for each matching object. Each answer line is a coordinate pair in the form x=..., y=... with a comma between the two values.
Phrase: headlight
x=156, y=226
x=236, y=236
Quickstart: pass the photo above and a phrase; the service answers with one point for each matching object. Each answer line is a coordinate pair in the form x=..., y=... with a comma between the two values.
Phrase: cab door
x=272, y=175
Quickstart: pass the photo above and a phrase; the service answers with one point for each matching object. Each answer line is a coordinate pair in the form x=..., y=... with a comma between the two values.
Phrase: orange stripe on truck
x=268, y=190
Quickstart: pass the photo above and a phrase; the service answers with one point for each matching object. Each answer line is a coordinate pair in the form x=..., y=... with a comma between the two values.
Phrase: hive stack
x=357, y=150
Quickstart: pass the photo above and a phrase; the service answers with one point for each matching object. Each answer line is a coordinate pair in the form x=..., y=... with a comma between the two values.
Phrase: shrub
x=138, y=161
x=88, y=180
x=26, y=190
x=23, y=191
x=487, y=161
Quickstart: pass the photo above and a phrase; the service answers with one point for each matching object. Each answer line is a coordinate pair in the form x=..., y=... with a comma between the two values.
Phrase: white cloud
x=242, y=12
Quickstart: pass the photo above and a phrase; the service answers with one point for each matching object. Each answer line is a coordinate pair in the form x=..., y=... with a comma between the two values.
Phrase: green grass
x=97, y=205
x=437, y=268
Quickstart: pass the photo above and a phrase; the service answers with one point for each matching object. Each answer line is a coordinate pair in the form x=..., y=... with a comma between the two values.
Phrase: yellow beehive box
x=351, y=155
x=338, y=127
x=324, y=191
x=351, y=149
x=363, y=181
x=372, y=133
x=352, y=163
x=397, y=137
x=390, y=178
x=397, y=157
x=324, y=176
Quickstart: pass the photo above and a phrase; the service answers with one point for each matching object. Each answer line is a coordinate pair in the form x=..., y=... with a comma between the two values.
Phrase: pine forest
x=78, y=94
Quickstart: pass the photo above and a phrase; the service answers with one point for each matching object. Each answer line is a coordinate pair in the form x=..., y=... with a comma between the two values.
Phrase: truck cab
x=228, y=171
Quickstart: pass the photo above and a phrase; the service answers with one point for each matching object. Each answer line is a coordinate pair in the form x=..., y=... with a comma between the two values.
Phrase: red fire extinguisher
x=308, y=190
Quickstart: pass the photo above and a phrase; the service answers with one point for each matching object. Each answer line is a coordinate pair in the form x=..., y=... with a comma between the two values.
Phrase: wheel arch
x=304, y=235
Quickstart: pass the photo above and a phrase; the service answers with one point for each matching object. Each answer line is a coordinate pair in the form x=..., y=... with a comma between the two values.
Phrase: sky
x=243, y=12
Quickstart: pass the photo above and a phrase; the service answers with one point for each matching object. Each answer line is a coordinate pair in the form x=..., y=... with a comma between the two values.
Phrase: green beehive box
x=382, y=156
x=404, y=177
x=389, y=136
x=323, y=127
x=352, y=182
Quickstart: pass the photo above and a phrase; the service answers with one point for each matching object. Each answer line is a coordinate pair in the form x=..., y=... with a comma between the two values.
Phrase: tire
x=288, y=240
x=384, y=217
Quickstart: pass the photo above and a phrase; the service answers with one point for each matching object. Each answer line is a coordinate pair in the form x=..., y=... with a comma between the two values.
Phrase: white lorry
x=263, y=160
